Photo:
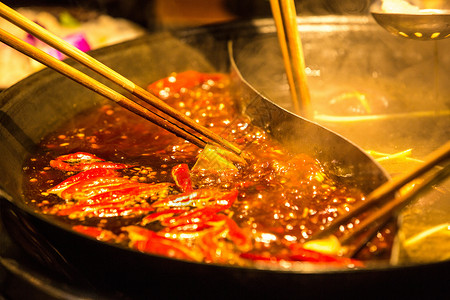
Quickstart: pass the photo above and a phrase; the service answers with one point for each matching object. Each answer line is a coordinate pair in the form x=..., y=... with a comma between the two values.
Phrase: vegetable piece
x=329, y=245
x=216, y=159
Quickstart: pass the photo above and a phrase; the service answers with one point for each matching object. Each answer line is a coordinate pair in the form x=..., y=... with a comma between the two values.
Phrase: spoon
x=413, y=23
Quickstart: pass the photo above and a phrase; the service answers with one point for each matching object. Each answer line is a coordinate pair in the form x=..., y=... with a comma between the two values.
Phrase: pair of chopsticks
x=389, y=199
x=285, y=18
x=178, y=123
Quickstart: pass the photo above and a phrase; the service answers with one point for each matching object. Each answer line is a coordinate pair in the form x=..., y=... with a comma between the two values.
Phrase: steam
x=349, y=59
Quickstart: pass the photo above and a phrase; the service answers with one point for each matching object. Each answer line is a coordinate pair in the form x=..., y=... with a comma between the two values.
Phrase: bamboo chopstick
x=71, y=51
x=285, y=52
x=385, y=197
x=95, y=86
x=285, y=18
x=378, y=219
x=389, y=188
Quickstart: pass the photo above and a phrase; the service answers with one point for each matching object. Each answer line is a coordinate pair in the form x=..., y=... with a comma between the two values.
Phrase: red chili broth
x=282, y=198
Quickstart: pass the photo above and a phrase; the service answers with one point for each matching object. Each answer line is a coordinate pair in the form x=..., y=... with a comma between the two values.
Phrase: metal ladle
x=423, y=25
x=432, y=23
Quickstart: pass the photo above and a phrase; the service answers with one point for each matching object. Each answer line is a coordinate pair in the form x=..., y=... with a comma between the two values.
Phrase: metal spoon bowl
x=432, y=25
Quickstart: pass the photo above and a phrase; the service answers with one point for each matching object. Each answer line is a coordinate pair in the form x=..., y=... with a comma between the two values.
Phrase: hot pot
x=38, y=104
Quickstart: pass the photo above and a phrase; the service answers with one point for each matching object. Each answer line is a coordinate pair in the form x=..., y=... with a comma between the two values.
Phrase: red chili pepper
x=199, y=198
x=82, y=161
x=116, y=209
x=83, y=209
x=189, y=227
x=159, y=216
x=61, y=165
x=227, y=199
x=209, y=244
x=95, y=232
x=91, y=187
x=88, y=230
x=298, y=253
x=301, y=254
x=200, y=215
x=85, y=175
x=118, y=202
x=149, y=241
x=237, y=235
x=142, y=190
x=79, y=156
x=259, y=257
x=114, y=198
x=182, y=177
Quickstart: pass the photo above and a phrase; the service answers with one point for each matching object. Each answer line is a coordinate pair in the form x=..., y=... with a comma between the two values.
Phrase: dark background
x=145, y=12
